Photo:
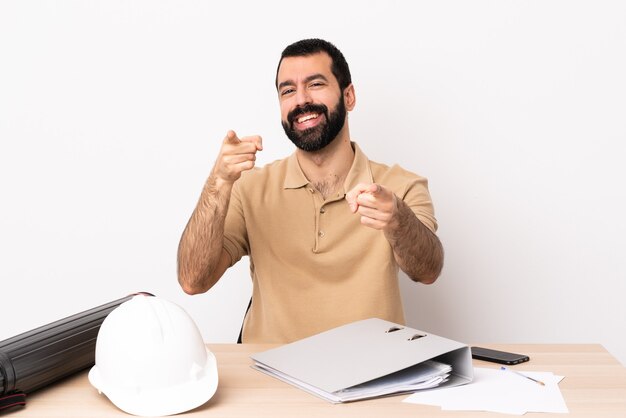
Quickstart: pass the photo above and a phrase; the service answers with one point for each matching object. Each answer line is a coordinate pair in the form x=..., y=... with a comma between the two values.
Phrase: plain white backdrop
x=112, y=113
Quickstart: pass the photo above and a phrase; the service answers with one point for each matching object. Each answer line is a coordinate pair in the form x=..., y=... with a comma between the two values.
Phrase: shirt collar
x=359, y=172
x=294, y=178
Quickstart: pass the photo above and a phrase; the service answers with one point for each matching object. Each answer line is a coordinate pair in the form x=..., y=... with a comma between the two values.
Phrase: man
x=326, y=229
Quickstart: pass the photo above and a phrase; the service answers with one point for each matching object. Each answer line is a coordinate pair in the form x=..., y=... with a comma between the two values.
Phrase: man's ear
x=349, y=97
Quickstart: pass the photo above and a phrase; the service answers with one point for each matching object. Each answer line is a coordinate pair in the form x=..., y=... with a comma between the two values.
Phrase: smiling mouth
x=305, y=118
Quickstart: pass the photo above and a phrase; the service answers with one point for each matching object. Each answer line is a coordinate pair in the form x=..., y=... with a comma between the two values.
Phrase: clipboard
x=337, y=363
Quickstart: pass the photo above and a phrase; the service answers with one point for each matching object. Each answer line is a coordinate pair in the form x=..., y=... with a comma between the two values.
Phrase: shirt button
x=321, y=234
x=312, y=190
x=322, y=210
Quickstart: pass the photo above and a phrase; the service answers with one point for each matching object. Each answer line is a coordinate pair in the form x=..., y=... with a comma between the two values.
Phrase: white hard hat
x=151, y=360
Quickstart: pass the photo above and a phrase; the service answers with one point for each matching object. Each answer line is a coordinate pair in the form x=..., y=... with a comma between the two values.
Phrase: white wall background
x=112, y=113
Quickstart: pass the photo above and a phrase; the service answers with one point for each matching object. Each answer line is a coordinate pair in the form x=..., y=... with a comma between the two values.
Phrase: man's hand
x=416, y=249
x=236, y=155
x=202, y=259
x=376, y=205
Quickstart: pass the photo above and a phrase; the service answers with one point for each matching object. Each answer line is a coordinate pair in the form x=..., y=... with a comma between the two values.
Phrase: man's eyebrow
x=285, y=83
x=306, y=80
x=315, y=76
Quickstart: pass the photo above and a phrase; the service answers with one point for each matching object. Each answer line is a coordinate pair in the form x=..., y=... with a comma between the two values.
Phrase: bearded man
x=326, y=229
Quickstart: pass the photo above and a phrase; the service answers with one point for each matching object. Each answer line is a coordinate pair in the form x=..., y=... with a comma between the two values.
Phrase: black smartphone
x=495, y=356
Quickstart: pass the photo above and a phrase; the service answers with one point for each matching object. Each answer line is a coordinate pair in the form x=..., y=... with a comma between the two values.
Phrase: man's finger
x=255, y=139
x=354, y=193
x=231, y=138
x=374, y=188
x=357, y=190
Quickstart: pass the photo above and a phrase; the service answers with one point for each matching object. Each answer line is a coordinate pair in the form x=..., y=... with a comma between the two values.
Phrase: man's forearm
x=200, y=246
x=416, y=248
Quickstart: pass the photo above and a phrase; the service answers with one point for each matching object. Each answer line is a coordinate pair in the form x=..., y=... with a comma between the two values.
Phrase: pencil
x=523, y=375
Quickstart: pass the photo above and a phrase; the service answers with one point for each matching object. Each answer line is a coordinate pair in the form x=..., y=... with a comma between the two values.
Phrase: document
x=367, y=359
x=500, y=391
x=425, y=375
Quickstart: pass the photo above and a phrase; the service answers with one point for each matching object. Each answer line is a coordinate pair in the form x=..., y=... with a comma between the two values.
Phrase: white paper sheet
x=426, y=375
x=499, y=391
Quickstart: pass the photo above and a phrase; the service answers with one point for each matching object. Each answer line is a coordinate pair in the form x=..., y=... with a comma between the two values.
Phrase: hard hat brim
x=168, y=400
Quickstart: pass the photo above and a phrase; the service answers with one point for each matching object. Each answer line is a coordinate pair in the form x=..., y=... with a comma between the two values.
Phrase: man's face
x=312, y=106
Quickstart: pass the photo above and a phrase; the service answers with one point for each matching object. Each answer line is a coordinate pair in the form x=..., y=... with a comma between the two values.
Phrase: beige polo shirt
x=313, y=265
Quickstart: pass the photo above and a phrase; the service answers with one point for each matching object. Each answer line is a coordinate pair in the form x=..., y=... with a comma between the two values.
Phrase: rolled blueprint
x=39, y=357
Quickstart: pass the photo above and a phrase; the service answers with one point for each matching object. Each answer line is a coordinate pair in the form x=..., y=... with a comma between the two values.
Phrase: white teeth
x=307, y=117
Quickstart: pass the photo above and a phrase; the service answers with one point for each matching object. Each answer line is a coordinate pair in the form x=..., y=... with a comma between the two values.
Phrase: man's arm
x=416, y=248
x=201, y=257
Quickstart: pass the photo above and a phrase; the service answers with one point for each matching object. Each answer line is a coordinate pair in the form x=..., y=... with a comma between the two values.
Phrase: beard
x=317, y=137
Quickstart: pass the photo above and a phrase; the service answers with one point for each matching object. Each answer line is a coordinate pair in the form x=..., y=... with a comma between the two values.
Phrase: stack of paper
x=426, y=375
x=499, y=391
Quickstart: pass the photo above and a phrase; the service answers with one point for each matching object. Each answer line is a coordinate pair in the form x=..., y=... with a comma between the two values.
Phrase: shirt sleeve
x=413, y=190
x=418, y=198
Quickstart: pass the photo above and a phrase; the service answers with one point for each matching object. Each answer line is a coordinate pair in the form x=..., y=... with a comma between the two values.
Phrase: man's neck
x=327, y=168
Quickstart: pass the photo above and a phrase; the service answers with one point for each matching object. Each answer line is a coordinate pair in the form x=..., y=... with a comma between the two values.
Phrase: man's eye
x=286, y=91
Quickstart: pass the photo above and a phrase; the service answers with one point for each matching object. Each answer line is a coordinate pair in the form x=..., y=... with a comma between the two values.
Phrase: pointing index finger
x=256, y=140
x=231, y=138
x=354, y=193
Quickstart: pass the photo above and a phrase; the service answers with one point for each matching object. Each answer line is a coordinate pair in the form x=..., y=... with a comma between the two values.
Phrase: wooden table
x=594, y=386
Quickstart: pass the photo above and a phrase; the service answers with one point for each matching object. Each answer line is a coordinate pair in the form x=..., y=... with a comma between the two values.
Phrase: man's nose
x=302, y=97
